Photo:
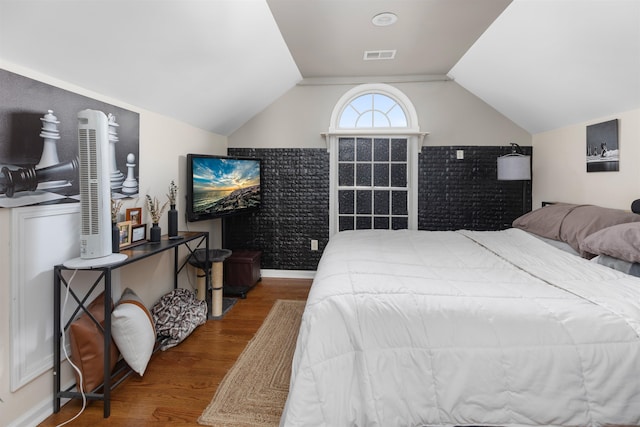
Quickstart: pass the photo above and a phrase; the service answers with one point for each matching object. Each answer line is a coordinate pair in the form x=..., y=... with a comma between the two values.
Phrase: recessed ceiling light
x=384, y=19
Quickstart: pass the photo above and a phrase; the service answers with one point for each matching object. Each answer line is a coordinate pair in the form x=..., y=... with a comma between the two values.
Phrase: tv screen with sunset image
x=220, y=186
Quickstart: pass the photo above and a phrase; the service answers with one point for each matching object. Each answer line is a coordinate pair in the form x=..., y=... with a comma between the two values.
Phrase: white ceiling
x=546, y=64
x=216, y=63
x=327, y=38
x=211, y=63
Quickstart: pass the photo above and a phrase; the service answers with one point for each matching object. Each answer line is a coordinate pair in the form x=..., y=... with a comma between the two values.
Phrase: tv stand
x=136, y=253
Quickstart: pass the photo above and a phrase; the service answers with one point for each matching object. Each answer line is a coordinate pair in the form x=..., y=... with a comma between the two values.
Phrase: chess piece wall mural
x=49, y=157
x=39, y=143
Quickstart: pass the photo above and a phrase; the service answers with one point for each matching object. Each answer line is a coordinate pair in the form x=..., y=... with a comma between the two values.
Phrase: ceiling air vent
x=374, y=55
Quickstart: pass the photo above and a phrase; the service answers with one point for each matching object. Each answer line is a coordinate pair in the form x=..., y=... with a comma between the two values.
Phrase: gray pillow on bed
x=572, y=223
x=620, y=241
x=546, y=221
x=583, y=221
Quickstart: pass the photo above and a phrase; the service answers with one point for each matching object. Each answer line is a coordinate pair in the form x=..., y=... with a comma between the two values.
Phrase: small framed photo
x=138, y=233
x=134, y=215
x=125, y=233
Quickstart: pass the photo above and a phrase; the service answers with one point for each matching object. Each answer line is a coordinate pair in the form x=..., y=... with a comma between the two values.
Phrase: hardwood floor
x=180, y=382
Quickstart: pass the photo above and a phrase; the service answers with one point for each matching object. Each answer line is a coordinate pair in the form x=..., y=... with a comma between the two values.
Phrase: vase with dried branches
x=155, y=210
x=116, y=205
x=115, y=232
x=172, y=214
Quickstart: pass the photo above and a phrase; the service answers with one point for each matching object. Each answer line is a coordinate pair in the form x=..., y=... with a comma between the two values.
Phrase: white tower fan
x=95, y=192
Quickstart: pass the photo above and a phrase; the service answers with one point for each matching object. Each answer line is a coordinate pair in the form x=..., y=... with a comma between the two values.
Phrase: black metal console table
x=191, y=240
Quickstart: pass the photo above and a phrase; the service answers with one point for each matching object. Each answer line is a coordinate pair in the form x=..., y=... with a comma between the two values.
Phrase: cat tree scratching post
x=215, y=259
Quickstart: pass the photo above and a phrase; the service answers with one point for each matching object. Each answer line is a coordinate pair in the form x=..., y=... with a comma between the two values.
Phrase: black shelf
x=190, y=240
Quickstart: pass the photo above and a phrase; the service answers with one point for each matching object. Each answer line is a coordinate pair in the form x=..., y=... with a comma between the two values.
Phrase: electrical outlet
x=459, y=154
x=314, y=245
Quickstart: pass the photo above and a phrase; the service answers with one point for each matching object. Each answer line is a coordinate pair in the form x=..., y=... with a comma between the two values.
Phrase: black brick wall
x=465, y=194
x=452, y=194
x=295, y=209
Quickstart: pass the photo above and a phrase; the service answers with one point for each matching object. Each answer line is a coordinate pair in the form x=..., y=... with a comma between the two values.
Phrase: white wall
x=559, y=166
x=164, y=143
x=451, y=115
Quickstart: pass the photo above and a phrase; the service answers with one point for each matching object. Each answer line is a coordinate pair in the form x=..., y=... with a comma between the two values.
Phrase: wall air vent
x=375, y=55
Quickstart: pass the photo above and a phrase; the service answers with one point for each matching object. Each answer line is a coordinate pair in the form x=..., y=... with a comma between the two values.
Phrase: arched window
x=374, y=141
x=373, y=110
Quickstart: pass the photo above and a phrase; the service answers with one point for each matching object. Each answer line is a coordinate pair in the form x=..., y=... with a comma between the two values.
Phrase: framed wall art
x=603, y=154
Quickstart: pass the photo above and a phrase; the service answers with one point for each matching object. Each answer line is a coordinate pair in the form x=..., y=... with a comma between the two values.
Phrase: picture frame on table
x=138, y=233
x=124, y=230
x=134, y=215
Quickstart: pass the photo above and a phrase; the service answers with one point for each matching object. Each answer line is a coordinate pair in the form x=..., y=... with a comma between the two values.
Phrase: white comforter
x=407, y=328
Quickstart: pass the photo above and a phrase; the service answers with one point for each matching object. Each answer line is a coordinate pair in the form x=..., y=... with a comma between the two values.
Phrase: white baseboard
x=288, y=274
x=35, y=415
x=41, y=411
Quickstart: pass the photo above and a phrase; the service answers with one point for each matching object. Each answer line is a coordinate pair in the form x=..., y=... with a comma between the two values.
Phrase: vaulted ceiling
x=216, y=63
x=546, y=64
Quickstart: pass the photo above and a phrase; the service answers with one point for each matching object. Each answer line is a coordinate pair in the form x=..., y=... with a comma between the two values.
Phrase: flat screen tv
x=219, y=186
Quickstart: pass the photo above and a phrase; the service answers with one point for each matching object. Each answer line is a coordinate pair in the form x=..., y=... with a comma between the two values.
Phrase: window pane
x=399, y=223
x=399, y=175
x=398, y=150
x=345, y=202
x=397, y=117
x=380, y=120
x=399, y=203
x=364, y=149
x=363, y=174
x=381, y=223
x=365, y=120
x=363, y=202
x=348, y=118
x=345, y=174
x=363, y=103
x=381, y=203
x=383, y=102
x=381, y=150
x=381, y=174
x=345, y=223
x=346, y=149
x=363, y=223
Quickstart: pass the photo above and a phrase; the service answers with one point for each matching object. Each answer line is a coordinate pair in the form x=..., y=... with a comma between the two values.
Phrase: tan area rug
x=254, y=391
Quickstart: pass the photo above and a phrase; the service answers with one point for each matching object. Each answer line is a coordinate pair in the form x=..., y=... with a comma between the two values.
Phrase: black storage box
x=241, y=272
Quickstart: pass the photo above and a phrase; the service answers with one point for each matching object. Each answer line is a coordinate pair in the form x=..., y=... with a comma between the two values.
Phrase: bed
x=412, y=328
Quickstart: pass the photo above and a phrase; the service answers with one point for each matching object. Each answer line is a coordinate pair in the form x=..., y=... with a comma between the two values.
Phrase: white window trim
x=412, y=172
x=411, y=133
